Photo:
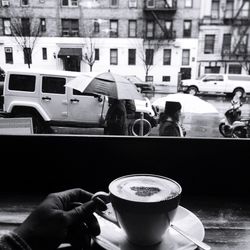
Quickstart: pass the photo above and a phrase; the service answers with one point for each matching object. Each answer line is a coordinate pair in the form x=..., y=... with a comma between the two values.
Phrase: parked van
x=42, y=95
x=229, y=84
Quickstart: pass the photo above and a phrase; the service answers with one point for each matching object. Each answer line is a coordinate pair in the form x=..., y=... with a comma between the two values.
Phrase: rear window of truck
x=239, y=78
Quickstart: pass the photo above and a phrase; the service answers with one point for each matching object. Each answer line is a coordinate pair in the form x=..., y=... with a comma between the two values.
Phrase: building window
x=234, y=69
x=96, y=26
x=209, y=44
x=215, y=12
x=166, y=78
x=212, y=70
x=97, y=55
x=44, y=50
x=187, y=28
x=24, y=2
x=150, y=29
x=185, y=57
x=113, y=28
x=70, y=3
x=22, y=82
x=188, y=3
x=132, y=3
x=53, y=85
x=169, y=29
x=245, y=9
x=131, y=56
x=113, y=3
x=226, y=45
x=70, y=27
x=27, y=56
x=8, y=55
x=150, y=3
x=149, y=56
x=167, y=57
x=6, y=27
x=25, y=26
x=229, y=11
x=113, y=57
x=43, y=24
x=132, y=28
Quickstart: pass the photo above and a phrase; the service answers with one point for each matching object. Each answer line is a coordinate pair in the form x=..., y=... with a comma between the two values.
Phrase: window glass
x=150, y=29
x=131, y=56
x=132, y=28
x=149, y=56
x=97, y=54
x=234, y=69
x=209, y=44
x=22, y=82
x=25, y=2
x=187, y=25
x=7, y=27
x=215, y=12
x=113, y=3
x=8, y=55
x=43, y=24
x=166, y=56
x=132, y=3
x=44, y=50
x=113, y=28
x=113, y=56
x=185, y=57
x=54, y=85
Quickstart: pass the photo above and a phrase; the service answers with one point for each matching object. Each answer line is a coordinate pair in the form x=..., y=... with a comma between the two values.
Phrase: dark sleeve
x=168, y=129
x=12, y=241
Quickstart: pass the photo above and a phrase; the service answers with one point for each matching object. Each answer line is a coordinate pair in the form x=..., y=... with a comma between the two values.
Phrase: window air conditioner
x=8, y=50
x=5, y=3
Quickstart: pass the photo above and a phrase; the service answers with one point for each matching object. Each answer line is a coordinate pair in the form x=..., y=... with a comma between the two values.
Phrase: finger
x=73, y=195
x=81, y=213
x=92, y=225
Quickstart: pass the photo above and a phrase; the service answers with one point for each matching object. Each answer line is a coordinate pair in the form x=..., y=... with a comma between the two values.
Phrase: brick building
x=153, y=39
x=224, y=37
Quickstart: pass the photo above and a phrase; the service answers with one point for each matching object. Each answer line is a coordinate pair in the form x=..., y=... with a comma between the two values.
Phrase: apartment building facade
x=153, y=39
x=224, y=37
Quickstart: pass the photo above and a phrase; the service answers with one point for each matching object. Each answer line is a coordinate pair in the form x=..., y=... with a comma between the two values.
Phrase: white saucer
x=113, y=238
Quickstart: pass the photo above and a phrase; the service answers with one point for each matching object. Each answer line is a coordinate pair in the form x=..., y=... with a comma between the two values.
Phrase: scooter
x=233, y=126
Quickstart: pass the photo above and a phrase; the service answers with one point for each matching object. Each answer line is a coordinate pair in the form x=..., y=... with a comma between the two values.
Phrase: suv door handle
x=46, y=98
x=215, y=83
x=74, y=100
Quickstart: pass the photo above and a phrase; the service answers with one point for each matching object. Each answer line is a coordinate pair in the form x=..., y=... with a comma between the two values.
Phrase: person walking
x=169, y=120
x=116, y=118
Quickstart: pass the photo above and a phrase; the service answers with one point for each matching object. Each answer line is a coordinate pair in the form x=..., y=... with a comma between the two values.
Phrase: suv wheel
x=192, y=90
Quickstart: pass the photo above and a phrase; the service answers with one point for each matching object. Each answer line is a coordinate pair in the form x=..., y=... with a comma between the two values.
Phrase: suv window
x=76, y=92
x=239, y=78
x=22, y=82
x=54, y=85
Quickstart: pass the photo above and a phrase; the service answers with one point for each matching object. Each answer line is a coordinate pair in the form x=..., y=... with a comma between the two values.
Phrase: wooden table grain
x=226, y=219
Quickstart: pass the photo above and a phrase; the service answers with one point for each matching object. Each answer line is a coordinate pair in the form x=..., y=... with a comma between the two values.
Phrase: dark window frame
x=4, y=27
x=129, y=28
x=187, y=32
x=167, y=59
x=116, y=32
x=183, y=61
x=97, y=54
x=209, y=44
x=26, y=85
x=45, y=54
x=43, y=24
x=71, y=26
x=8, y=55
x=149, y=56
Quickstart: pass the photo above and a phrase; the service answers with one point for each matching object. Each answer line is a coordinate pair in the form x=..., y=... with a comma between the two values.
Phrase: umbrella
x=106, y=83
x=189, y=103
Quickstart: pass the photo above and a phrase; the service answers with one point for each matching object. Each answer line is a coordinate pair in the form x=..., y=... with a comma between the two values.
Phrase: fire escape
x=239, y=20
x=161, y=12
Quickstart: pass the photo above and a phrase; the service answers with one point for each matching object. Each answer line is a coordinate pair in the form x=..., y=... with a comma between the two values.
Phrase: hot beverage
x=144, y=206
x=144, y=188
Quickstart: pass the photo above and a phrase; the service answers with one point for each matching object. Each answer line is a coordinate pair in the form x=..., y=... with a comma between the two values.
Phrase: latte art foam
x=144, y=188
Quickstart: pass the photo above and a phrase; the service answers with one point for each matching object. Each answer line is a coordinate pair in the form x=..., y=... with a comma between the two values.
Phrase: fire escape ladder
x=158, y=21
x=240, y=39
x=239, y=10
x=246, y=28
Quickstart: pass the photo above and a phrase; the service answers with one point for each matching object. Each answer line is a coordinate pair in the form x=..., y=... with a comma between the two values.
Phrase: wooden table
x=226, y=219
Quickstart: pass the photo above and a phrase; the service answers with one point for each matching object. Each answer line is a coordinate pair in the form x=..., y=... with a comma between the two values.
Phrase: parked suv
x=229, y=84
x=43, y=96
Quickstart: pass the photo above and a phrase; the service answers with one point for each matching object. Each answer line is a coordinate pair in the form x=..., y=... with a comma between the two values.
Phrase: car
x=42, y=95
x=141, y=85
x=228, y=84
x=2, y=76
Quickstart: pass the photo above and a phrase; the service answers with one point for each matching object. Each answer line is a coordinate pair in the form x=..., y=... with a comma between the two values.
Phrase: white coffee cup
x=144, y=206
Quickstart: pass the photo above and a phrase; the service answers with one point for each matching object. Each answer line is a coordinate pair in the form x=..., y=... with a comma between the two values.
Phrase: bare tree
x=25, y=31
x=146, y=52
x=89, y=52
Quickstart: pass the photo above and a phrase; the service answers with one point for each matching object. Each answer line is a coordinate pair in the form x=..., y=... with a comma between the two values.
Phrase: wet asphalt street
x=204, y=125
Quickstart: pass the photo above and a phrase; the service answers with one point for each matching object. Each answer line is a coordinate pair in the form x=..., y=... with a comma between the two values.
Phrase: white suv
x=229, y=84
x=43, y=96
